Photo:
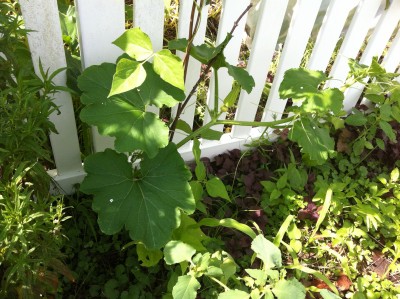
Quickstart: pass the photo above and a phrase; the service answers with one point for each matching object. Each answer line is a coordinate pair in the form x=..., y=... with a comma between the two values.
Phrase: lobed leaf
x=146, y=201
x=124, y=115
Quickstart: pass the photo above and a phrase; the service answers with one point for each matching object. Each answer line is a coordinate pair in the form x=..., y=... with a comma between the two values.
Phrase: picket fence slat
x=271, y=15
x=329, y=33
x=305, y=13
x=392, y=58
x=352, y=43
x=231, y=10
x=45, y=41
x=376, y=44
x=194, y=66
x=100, y=22
x=152, y=24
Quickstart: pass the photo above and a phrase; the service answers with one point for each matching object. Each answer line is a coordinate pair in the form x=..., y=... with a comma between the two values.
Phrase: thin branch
x=204, y=74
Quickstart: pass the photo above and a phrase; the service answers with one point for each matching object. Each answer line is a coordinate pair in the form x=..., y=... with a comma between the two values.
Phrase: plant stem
x=182, y=106
x=215, y=110
x=269, y=124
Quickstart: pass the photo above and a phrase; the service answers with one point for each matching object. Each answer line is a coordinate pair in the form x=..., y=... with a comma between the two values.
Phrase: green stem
x=269, y=124
x=215, y=110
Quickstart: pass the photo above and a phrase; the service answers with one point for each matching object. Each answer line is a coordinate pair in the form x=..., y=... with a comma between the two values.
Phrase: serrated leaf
x=216, y=188
x=135, y=43
x=186, y=287
x=148, y=257
x=124, y=115
x=357, y=119
x=128, y=75
x=289, y=289
x=267, y=252
x=387, y=129
x=233, y=294
x=314, y=141
x=170, y=68
x=299, y=82
x=146, y=201
x=324, y=101
x=242, y=77
x=386, y=112
x=176, y=252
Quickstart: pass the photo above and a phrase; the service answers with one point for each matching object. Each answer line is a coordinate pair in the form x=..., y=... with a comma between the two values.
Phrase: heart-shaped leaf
x=124, y=115
x=146, y=201
x=135, y=43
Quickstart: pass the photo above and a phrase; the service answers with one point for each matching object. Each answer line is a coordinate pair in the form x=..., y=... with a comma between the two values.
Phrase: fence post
x=45, y=42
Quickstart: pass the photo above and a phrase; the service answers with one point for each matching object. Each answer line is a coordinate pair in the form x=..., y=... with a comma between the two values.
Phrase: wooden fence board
x=305, y=13
x=45, y=42
x=100, y=22
x=270, y=20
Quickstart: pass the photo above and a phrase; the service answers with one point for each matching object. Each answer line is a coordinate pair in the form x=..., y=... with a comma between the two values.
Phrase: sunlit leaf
x=170, y=68
x=289, y=289
x=267, y=252
x=135, y=43
x=128, y=75
x=186, y=287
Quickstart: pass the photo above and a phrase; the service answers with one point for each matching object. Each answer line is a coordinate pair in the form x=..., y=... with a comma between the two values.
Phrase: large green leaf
x=129, y=75
x=135, y=43
x=146, y=201
x=186, y=287
x=302, y=84
x=314, y=141
x=170, y=68
x=267, y=252
x=124, y=115
x=289, y=289
x=298, y=83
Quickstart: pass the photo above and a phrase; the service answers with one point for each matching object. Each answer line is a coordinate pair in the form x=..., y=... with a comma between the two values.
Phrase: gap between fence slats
x=194, y=67
x=352, y=43
x=231, y=10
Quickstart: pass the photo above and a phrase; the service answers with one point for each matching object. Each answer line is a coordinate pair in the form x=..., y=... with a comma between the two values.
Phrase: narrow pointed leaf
x=147, y=202
x=129, y=75
x=135, y=43
x=170, y=68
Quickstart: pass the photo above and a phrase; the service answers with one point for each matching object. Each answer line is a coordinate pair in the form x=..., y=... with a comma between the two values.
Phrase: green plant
x=30, y=238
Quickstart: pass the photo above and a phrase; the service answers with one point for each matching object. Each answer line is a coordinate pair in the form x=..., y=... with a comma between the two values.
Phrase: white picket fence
x=101, y=21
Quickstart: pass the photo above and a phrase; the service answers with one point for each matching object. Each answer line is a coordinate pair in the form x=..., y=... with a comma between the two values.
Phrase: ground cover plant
x=313, y=214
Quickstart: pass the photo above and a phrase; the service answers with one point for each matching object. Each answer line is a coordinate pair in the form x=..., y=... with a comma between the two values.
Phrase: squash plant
x=148, y=199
